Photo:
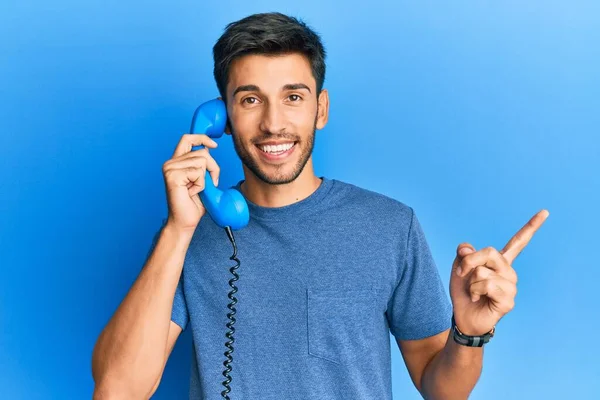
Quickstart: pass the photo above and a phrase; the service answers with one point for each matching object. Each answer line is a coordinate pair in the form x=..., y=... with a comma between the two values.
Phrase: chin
x=278, y=177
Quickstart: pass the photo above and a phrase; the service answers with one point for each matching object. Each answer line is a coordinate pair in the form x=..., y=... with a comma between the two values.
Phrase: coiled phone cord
x=230, y=315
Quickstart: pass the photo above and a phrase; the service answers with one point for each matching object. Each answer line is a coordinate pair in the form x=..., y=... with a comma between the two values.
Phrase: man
x=327, y=271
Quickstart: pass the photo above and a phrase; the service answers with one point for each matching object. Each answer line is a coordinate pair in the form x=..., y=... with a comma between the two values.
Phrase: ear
x=322, y=109
x=228, y=123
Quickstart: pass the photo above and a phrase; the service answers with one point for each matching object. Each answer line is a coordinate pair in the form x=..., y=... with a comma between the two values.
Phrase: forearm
x=130, y=351
x=453, y=372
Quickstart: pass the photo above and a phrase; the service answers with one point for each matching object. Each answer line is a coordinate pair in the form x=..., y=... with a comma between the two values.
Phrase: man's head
x=270, y=69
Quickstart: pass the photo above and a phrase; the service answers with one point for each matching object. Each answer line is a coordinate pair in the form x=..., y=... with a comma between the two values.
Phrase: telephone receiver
x=227, y=208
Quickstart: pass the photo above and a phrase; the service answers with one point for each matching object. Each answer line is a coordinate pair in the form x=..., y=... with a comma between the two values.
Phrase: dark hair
x=268, y=34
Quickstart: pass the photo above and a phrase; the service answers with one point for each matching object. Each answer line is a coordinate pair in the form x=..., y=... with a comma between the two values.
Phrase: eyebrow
x=254, y=88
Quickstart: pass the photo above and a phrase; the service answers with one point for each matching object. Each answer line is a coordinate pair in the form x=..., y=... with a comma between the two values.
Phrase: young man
x=327, y=271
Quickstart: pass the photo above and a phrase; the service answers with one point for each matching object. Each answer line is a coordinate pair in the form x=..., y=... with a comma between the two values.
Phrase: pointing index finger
x=518, y=242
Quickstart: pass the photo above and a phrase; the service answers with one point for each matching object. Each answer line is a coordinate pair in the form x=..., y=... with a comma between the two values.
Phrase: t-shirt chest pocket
x=344, y=325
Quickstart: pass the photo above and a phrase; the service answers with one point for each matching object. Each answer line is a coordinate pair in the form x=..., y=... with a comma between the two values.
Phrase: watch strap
x=470, y=341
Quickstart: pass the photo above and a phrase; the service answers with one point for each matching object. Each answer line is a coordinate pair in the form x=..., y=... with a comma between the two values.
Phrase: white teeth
x=277, y=149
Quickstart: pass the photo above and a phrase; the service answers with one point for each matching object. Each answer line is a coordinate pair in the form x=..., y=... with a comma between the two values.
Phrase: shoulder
x=373, y=205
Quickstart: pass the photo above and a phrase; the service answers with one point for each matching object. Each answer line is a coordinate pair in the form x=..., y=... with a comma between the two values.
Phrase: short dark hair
x=269, y=34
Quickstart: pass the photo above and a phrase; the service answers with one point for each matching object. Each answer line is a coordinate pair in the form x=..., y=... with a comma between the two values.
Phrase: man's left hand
x=483, y=284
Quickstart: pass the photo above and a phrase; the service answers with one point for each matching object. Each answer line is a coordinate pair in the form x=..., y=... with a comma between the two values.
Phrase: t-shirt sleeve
x=419, y=306
x=179, y=313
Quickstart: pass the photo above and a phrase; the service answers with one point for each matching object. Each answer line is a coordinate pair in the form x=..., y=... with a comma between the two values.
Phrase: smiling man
x=328, y=269
x=275, y=104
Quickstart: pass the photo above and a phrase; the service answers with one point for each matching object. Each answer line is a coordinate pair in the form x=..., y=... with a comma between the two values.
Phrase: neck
x=268, y=195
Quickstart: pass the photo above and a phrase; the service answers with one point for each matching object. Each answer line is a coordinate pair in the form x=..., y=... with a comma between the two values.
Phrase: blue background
x=477, y=114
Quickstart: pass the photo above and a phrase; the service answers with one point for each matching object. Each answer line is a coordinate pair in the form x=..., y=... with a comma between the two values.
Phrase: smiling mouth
x=276, y=152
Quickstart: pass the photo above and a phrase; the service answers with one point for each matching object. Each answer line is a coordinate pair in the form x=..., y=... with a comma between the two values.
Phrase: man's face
x=274, y=112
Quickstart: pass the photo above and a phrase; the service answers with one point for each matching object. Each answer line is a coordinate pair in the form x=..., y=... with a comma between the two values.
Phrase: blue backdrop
x=477, y=114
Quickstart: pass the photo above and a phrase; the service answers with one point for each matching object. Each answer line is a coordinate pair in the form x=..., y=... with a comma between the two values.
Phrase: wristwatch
x=470, y=341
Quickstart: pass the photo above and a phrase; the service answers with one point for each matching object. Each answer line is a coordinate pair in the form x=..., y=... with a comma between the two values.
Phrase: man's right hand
x=184, y=176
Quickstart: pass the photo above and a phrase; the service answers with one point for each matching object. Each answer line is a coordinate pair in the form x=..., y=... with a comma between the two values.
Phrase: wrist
x=183, y=232
x=177, y=234
x=467, y=329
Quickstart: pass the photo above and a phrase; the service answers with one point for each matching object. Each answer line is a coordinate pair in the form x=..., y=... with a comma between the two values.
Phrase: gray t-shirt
x=322, y=284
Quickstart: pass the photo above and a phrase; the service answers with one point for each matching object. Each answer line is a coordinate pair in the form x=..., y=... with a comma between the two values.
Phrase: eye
x=294, y=97
x=250, y=100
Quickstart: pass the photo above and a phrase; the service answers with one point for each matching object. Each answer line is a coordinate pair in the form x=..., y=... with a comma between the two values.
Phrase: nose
x=273, y=119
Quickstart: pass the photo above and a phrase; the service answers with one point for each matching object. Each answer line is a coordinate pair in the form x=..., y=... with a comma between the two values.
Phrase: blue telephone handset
x=226, y=208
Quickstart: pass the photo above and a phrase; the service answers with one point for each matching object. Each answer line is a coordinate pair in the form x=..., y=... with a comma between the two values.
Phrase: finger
x=197, y=152
x=489, y=257
x=211, y=164
x=462, y=250
x=195, y=176
x=480, y=273
x=192, y=139
x=206, y=163
x=191, y=177
x=518, y=242
x=184, y=176
x=498, y=290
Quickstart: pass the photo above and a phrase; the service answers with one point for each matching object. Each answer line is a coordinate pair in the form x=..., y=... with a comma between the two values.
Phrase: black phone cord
x=230, y=332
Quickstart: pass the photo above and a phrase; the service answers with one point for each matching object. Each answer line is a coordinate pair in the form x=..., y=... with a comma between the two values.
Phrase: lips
x=275, y=156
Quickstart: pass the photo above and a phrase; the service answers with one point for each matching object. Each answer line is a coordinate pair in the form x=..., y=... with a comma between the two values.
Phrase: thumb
x=464, y=249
